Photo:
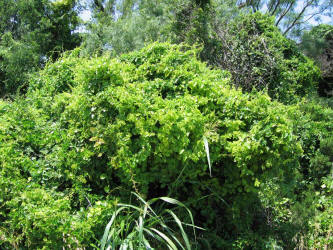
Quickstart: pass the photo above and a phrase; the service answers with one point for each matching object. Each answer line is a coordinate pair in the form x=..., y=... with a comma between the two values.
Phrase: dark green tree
x=317, y=43
x=31, y=32
x=258, y=56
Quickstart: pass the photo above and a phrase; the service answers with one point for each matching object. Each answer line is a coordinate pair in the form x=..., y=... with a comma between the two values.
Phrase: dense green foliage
x=31, y=32
x=259, y=56
x=308, y=209
x=216, y=124
x=249, y=46
x=90, y=131
x=126, y=25
x=318, y=45
x=316, y=41
x=123, y=26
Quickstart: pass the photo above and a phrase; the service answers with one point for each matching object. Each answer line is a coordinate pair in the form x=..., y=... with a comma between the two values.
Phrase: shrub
x=297, y=211
x=93, y=129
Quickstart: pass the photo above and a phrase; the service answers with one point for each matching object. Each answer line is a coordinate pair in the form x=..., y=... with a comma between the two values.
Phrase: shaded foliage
x=30, y=33
x=260, y=57
x=318, y=44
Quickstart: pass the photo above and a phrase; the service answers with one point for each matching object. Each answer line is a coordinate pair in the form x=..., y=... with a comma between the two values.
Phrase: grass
x=142, y=227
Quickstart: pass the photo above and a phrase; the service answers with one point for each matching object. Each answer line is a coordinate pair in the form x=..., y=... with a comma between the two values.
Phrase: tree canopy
x=292, y=16
x=31, y=32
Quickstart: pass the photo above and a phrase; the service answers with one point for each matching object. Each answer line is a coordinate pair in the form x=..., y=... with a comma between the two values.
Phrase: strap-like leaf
x=166, y=238
x=207, y=153
x=187, y=242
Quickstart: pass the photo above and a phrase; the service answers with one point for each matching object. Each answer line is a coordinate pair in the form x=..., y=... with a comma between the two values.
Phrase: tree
x=259, y=57
x=251, y=47
x=122, y=26
x=31, y=32
x=292, y=16
x=318, y=44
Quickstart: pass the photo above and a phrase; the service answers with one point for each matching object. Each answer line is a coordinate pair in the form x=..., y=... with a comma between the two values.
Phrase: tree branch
x=275, y=8
x=311, y=16
x=284, y=14
x=298, y=17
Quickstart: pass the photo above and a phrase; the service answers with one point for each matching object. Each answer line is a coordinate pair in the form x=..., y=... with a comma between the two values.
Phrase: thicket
x=91, y=130
x=242, y=141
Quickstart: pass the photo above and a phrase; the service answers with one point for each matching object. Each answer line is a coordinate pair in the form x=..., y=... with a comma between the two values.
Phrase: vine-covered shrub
x=315, y=128
x=91, y=130
x=297, y=211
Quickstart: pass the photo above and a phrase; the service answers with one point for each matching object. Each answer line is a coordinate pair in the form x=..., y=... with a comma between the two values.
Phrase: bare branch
x=308, y=4
x=275, y=8
x=284, y=13
x=311, y=16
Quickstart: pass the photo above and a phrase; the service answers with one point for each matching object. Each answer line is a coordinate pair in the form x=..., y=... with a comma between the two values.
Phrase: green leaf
x=208, y=156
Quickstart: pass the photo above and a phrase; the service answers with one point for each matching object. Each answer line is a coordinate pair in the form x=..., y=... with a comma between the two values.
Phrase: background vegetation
x=167, y=124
